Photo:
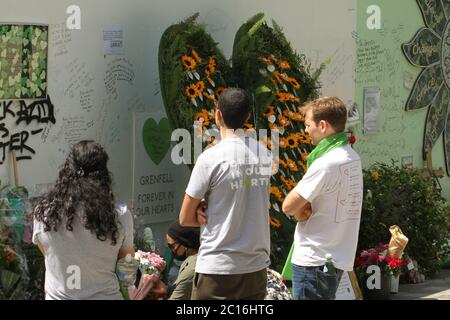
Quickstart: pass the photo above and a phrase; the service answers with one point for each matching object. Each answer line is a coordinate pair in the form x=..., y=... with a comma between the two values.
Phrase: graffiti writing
x=40, y=111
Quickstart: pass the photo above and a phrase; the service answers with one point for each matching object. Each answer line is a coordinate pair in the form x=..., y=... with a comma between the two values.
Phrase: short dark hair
x=330, y=109
x=235, y=107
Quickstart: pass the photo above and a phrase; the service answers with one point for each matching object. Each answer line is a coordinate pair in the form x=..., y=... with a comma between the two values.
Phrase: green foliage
x=177, y=40
x=394, y=195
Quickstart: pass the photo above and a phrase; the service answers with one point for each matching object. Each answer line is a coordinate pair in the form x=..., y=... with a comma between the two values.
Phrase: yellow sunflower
x=278, y=77
x=211, y=65
x=191, y=91
x=375, y=175
x=202, y=117
x=275, y=222
x=303, y=138
x=291, y=165
x=282, y=163
x=292, y=141
x=284, y=65
x=200, y=86
x=283, y=121
x=290, y=184
x=292, y=115
x=286, y=96
x=188, y=62
x=276, y=192
x=196, y=56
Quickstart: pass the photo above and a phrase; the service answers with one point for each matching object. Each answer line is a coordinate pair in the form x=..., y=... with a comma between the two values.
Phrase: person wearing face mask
x=183, y=243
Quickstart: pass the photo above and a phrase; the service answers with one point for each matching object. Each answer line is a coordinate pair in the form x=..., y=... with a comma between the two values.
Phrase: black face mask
x=176, y=256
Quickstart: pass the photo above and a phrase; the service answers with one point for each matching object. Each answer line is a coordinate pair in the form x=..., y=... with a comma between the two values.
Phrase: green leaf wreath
x=193, y=73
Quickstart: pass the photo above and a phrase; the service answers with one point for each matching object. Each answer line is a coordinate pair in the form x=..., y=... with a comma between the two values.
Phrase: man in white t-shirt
x=233, y=177
x=327, y=204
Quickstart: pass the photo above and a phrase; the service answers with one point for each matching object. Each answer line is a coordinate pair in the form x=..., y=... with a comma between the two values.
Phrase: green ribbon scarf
x=325, y=145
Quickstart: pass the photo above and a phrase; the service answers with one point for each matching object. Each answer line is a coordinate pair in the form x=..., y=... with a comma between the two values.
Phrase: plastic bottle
x=329, y=266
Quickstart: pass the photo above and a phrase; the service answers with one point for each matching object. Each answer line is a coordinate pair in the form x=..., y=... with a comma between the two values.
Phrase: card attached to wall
x=372, y=110
x=113, y=40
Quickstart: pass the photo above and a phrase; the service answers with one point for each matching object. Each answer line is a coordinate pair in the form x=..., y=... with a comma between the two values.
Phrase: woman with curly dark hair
x=79, y=229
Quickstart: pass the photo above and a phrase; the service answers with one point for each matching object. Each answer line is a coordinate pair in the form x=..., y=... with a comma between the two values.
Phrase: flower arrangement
x=151, y=266
x=193, y=73
x=378, y=256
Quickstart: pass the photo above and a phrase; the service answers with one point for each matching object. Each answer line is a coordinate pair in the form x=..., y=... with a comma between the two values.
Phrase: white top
x=334, y=187
x=234, y=178
x=78, y=266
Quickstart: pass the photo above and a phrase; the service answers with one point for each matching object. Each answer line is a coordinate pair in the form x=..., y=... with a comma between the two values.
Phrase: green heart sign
x=156, y=139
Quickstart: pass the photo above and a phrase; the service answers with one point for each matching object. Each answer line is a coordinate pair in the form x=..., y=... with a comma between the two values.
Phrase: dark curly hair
x=84, y=184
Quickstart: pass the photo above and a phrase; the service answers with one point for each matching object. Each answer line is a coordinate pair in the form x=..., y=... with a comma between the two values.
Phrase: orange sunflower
x=275, y=222
x=284, y=121
x=188, y=62
x=284, y=65
x=291, y=165
x=202, y=117
x=293, y=82
x=292, y=115
x=276, y=192
x=292, y=141
x=211, y=65
x=286, y=96
x=196, y=56
x=200, y=86
x=278, y=77
x=303, y=138
x=191, y=91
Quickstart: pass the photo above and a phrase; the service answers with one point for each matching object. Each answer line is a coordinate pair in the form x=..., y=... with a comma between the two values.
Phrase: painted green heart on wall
x=156, y=139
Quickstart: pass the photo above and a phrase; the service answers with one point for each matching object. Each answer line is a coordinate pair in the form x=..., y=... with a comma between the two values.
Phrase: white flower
x=137, y=256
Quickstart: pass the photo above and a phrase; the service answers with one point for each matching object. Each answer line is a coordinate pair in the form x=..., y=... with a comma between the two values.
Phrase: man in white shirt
x=327, y=204
x=233, y=177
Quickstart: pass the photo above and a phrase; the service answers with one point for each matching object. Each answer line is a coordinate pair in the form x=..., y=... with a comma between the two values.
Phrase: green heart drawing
x=156, y=139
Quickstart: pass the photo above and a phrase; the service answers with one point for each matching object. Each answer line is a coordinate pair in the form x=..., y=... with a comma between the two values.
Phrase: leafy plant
x=394, y=195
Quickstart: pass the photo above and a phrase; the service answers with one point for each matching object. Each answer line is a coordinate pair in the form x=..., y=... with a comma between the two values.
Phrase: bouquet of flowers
x=378, y=256
x=151, y=266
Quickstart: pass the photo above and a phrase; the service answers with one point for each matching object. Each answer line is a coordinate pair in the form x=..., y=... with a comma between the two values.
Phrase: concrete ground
x=437, y=288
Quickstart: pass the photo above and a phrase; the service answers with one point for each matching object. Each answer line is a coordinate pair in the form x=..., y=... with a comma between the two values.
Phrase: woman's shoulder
x=121, y=209
x=123, y=212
